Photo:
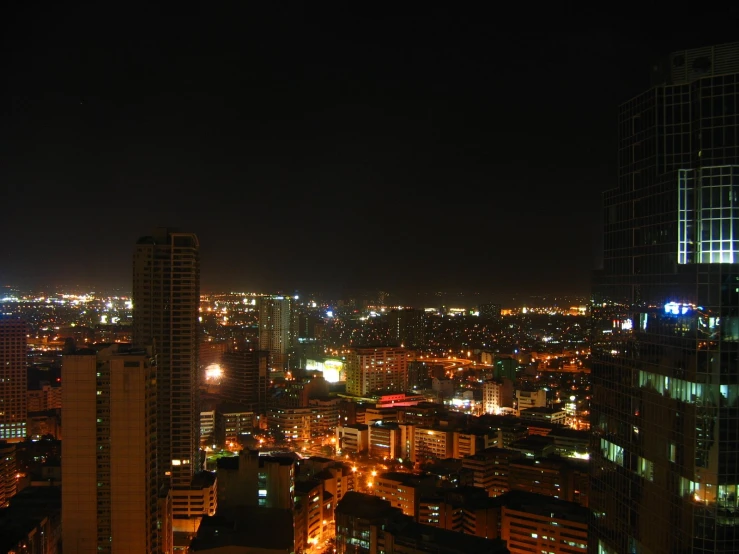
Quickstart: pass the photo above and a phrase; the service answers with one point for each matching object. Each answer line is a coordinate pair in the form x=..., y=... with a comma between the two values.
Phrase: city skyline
x=324, y=152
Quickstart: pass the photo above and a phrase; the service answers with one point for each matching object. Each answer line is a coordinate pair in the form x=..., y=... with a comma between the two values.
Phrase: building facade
x=13, y=385
x=665, y=412
x=166, y=297
x=277, y=329
x=369, y=370
x=496, y=395
x=254, y=480
x=110, y=493
x=246, y=379
x=407, y=327
x=8, y=469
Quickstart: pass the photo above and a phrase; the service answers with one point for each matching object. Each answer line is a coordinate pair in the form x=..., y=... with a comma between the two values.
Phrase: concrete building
x=571, y=442
x=369, y=370
x=313, y=511
x=238, y=420
x=45, y=398
x=324, y=416
x=166, y=297
x=534, y=446
x=245, y=379
x=337, y=478
x=367, y=524
x=110, y=500
x=540, y=523
x=211, y=428
x=290, y=423
x=444, y=388
x=462, y=509
x=550, y=477
x=556, y=416
x=277, y=330
x=8, y=470
x=375, y=413
x=490, y=469
x=246, y=530
x=423, y=413
x=403, y=490
x=200, y=498
x=407, y=327
x=432, y=443
x=468, y=442
x=254, y=480
x=13, y=383
x=496, y=395
x=526, y=399
x=386, y=439
x=353, y=438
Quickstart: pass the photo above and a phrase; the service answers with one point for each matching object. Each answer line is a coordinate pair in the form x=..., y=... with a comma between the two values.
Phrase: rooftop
x=246, y=526
x=544, y=505
x=426, y=538
x=365, y=506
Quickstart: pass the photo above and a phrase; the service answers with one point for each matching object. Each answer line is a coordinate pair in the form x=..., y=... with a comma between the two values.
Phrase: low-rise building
x=246, y=529
x=403, y=490
x=201, y=498
x=490, y=469
x=541, y=413
x=540, y=523
x=352, y=438
x=432, y=443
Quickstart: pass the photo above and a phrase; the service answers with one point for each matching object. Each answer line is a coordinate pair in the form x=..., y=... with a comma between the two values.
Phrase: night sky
x=322, y=148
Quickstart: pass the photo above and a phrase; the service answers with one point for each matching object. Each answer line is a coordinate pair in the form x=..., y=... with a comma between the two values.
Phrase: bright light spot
x=213, y=372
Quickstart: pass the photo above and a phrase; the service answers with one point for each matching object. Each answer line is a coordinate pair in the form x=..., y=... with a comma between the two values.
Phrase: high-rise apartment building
x=8, y=473
x=246, y=379
x=369, y=370
x=166, y=296
x=277, y=329
x=665, y=412
x=13, y=380
x=407, y=327
x=110, y=492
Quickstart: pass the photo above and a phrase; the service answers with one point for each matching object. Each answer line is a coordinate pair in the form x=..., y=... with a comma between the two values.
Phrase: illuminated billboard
x=332, y=369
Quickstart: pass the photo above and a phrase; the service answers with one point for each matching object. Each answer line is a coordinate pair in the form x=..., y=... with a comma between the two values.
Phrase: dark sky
x=320, y=148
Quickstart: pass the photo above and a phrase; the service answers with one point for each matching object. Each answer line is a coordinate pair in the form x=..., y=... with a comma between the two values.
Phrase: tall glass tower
x=166, y=298
x=665, y=409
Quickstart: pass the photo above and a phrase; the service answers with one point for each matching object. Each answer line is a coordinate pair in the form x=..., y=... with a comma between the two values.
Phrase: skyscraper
x=166, y=296
x=277, y=329
x=246, y=379
x=665, y=411
x=13, y=380
x=110, y=492
x=407, y=327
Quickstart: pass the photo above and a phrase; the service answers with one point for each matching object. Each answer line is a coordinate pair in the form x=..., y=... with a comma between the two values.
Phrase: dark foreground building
x=665, y=416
